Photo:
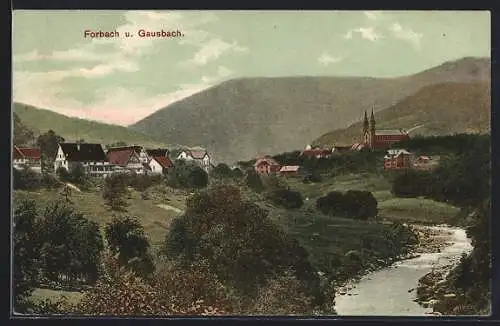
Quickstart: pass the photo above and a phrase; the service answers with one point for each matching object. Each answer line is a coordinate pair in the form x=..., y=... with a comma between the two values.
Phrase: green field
x=155, y=220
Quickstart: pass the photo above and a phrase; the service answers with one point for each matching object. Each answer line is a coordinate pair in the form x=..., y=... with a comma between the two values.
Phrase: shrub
x=286, y=198
x=115, y=189
x=26, y=179
x=352, y=204
x=254, y=181
x=126, y=238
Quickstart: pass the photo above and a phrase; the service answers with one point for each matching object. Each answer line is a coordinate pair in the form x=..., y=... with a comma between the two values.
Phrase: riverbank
x=392, y=290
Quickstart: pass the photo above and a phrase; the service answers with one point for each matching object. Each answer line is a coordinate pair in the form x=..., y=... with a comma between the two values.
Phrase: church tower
x=366, y=127
x=372, y=130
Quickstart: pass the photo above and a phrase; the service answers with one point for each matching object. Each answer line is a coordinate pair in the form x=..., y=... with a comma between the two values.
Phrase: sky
x=121, y=80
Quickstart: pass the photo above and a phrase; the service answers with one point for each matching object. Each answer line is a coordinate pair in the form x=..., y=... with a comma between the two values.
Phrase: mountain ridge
x=265, y=115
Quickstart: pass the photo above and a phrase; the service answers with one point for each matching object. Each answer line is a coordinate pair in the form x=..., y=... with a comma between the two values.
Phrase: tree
x=286, y=198
x=253, y=181
x=222, y=171
x=78, y=175
x=63, y=174
x=48, y=143
x=126, y=238
x=26, y=252
x=360, y=204
x=239, y=241
x=197, y=178
x=331, y=204
x=115, y=189
x=71, y=244
x=22, y=135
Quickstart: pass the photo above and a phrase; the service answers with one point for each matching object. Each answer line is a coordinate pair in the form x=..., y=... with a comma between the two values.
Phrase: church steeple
x=372, y=123
x=366, y=124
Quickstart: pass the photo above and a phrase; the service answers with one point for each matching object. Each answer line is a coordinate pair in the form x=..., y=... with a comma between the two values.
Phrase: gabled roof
x=16, y=153
x=83, y=152
x=290, y=168
x=315, y=152
x=30, y=152
x=157, y=152
x=197, y=154
x=135, y=148
x=390, y=132
x=266, y=160
x=164, y=161
x=120, y=157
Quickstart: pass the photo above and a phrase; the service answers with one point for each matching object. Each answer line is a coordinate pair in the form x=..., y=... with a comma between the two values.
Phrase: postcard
x=251, y=163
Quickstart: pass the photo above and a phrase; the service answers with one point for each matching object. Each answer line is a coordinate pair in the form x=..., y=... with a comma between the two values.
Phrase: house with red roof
x=130, y=158
x=27, y=157
x=160, y=165
x=316, y=152
x=197, y=156
x=266, y=165
x=396, y=159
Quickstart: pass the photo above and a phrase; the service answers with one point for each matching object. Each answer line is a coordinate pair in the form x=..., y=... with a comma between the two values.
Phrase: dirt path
x=170, y=208
x=73, y=187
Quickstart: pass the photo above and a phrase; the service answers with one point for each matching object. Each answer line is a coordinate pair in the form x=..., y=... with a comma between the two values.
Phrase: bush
x=254, y=182
x=126, y=238
x=50, y=182
x=286, y=198
x=26, y=179
x=26, y=252
x=71, y=244
x=353, y=204
x=115, y=189
x=197, y=178
x=62, y=174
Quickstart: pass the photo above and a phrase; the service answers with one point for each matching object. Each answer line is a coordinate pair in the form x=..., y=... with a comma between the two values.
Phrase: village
x=99, y=162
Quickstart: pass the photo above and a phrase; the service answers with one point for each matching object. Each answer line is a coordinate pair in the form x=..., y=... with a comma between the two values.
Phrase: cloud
x=213, y=49
x=367, y=33
x=116, y=105
x=372, y=15
x=326, y=59
x=406, y=34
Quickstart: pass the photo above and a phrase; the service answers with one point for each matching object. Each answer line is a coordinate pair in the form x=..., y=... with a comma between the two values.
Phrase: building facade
x=380, y=139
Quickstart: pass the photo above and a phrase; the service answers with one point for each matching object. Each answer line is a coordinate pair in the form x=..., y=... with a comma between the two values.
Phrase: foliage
x=26, y=250
x=238, y=240
x=26, y=179
x=462, y=179
x=141, y=182
x=48, y=143
x=181, y=285
x=71, y=245
x=286, y=295
x=412, y=183
x=187, y=175
x=355, y=204
x=222, y=171
x=286, y=198
x=197, y=178
x=126, y=238
x=254, y=181
x=119, y=292
x=50, y=181
x=114, y=191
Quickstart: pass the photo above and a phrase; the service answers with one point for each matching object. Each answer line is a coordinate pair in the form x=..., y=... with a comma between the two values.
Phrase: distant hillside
x=242, y=118
x=22, y=135
x=440, y=109
x=72, y=129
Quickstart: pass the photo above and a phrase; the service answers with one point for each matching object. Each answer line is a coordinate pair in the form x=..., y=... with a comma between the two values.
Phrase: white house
x=90, y=156
x=160, y=165
x=199, y=157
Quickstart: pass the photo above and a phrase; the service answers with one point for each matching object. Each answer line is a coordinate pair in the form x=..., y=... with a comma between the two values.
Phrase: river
x=388, y=292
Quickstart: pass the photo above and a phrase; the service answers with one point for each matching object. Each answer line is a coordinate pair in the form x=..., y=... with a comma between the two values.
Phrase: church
x=380, y=139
